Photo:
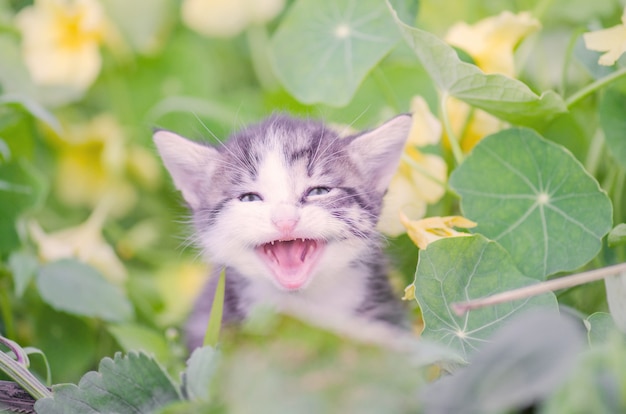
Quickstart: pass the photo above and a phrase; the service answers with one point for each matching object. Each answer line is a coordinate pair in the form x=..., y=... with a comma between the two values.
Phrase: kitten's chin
x=291, y=262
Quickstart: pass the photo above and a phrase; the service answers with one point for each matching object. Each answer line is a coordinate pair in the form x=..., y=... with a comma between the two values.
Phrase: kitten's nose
x=285, y=218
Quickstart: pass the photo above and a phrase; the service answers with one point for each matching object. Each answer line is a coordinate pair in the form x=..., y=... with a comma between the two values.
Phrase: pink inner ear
x=291, y=262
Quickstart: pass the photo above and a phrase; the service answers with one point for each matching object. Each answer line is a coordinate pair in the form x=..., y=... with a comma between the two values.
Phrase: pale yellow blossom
x=470, y=125
x=409, y=292
x=227, y=18
x=611, y=40
x=60, y=41
x=83, y=242
x=420, y=178
x=491, y=41
x=425, y=231
x=95, y=163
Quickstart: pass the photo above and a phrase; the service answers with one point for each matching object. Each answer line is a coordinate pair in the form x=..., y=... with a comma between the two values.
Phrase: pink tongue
x=289, y=261
x=289, y=253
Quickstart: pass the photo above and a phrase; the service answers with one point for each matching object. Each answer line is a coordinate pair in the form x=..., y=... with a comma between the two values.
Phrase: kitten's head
x=286, y=200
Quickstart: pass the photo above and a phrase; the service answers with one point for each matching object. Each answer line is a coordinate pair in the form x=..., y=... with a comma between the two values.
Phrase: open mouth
x=291, y=261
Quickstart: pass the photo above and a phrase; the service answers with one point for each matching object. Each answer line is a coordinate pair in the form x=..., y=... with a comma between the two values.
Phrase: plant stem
x=7, y=317
x=452, y=138
x=420, y=168
x=592, y=87
x=20, y=373
x=539, y=288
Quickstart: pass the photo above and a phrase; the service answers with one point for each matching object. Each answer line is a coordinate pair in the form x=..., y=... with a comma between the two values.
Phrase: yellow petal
x=216, y=18
x=428, y=180
x=409, y=292
x=611, y=40
x=425, y=231
x=470, y=126
x=491, y=41
x=83, y=242
x=401, y=196
x=60, y=41
x=426, y=128
x=262, y=11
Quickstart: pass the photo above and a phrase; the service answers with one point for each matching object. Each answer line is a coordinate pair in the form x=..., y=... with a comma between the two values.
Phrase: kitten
x=290, y=209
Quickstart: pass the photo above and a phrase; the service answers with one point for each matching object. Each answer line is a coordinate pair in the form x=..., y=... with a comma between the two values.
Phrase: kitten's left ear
x=189, y=163
x=377, y=152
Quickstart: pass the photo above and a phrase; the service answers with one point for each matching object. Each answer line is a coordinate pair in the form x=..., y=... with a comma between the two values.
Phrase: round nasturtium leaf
x=461, y=269
x=323, y=49
x=535, y=199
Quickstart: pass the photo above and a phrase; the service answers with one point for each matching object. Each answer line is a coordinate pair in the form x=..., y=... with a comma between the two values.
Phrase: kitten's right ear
x=190, y=164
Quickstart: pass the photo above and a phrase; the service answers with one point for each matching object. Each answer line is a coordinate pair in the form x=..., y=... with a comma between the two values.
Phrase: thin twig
x=539, y=288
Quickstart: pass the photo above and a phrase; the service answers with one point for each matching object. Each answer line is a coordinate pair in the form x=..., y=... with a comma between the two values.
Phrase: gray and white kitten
x=290, y=209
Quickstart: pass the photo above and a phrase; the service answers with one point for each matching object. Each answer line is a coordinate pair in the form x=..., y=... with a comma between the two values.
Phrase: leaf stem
x=420, y=168
x=452, y=138
x=594, y=86
x=19, y=372
x=539, y=288
x=7, y=317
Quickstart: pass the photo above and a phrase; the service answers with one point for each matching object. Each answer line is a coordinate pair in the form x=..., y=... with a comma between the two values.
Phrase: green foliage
x=323, y=50
x=542, y=173
x=75, y=288
x=131, y=383
x=506, y=98
x=533, y=203
x=455, y=270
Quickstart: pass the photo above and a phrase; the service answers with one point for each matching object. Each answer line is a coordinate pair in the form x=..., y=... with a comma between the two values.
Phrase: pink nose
x=285, y=225
x=285, y=217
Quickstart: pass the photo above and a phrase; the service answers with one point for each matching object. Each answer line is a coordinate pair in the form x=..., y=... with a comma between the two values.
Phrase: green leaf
x=198, y=376
x=613, y=124
x=134, y=383
x=461, y=269
x=616, y=297
x=501, y=96
x=21, y=188
x=617, y=236
x=323, y=50
x=600, y=327
x=135, y=337
x=74, y=287
x=525, y=362
x=23, y=268
x=32, y=107
x=597, y=383
x=535, y=199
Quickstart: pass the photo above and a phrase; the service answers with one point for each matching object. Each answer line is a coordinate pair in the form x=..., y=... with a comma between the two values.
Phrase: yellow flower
x=226, y=18
x=420, y=177
x=60, y=41
x=470, y=125
x=83, y=242
x=425, y=231
x=611, y=40
x=491, y=41
x=95, y=162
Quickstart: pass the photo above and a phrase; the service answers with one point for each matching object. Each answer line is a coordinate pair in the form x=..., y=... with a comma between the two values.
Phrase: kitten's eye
x=248, y=197
x=317, y=191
